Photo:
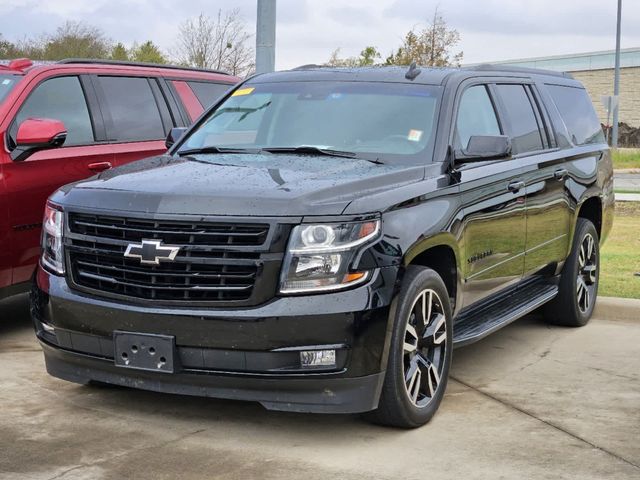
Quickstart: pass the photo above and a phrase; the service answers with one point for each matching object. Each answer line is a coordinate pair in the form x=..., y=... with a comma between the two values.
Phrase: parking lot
x=531, y=401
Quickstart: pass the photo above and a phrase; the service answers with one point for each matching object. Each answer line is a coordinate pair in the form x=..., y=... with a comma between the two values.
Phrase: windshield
x=7, y=82
x=373, y=120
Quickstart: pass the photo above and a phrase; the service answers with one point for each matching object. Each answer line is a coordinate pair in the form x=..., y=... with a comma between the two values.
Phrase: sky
x=309, y=30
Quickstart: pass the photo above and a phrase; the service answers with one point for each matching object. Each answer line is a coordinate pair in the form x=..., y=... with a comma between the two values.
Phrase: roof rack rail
x=493, y=67
x=138, y=64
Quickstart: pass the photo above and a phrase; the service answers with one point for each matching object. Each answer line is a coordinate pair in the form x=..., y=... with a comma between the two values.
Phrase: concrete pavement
x=531, y=401
x=627, y=181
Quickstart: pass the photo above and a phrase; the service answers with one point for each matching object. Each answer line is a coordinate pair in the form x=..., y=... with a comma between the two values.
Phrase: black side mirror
x=174, y=135
x=485, y=147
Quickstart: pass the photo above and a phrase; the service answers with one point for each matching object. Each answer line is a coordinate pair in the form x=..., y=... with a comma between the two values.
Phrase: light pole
x=266, y=36
x=616, y=81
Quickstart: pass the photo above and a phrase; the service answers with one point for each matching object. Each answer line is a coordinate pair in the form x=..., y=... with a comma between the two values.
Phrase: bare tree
x=220, y=43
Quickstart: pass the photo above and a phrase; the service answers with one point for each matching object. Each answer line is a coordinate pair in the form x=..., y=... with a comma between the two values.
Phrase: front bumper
x=247, y=354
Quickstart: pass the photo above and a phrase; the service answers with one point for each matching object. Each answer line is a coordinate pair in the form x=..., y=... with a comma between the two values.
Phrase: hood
x=238, y=184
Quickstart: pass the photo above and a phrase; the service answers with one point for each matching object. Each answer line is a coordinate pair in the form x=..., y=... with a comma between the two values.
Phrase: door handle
x=516, y=186
x=99, y=166
x=560, y=174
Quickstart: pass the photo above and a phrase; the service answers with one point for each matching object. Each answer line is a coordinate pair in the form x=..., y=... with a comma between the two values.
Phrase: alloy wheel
x=586, y=281
x=425, y=344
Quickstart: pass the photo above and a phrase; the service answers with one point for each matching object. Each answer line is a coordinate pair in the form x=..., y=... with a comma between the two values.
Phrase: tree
x=367, y=57
x=119, y=52
x=76, y=40
x=431, y=47
x=220, y=43
x=147, y=52
x=7, y=49
x=25, y=48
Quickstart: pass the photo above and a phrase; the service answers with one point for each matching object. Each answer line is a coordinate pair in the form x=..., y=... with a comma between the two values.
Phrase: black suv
x=321, y=239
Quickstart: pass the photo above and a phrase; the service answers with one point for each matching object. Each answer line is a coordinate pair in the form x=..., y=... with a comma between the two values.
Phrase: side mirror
x=174, y=135
x=38, y=134
x=485, y=147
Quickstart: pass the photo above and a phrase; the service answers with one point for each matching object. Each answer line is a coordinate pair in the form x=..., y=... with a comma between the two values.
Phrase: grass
x=625, y=158
x=620, y=256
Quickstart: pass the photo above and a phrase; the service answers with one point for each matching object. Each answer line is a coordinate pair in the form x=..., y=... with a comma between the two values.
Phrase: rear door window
x=208, y=93
x=476, y=116
x=131, y=105
x=60, y=98
x=524, y=129
x=577, y=112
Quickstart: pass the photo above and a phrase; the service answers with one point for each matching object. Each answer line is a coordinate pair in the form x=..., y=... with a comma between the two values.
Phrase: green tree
x=119, y=52
x=76, y=40
x=26, y=48
x=431, y=47
x=367, y=57
x=147, y=52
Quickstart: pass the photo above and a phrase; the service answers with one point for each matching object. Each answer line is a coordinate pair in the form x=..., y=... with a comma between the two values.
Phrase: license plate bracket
x=145, y=351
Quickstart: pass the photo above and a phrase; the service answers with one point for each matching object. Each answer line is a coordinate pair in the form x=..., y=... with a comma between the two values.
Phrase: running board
x=479, y=322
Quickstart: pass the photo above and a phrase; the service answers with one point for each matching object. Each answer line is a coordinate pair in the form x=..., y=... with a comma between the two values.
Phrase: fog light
x=318, y=358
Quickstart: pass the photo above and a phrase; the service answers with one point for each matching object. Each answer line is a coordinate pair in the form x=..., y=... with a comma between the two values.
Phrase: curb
x=614, y=308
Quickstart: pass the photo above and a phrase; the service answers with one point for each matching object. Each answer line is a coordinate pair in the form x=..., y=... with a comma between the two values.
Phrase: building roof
x=629, y=57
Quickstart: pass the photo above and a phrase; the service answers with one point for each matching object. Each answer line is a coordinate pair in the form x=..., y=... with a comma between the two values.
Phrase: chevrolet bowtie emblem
x=152, y=252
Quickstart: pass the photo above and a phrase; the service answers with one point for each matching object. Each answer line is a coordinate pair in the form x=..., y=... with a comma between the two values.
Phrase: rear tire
x=578, y=286
x=419, y=354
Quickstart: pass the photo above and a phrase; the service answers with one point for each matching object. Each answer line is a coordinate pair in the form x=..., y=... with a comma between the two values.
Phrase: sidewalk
x=627, y=181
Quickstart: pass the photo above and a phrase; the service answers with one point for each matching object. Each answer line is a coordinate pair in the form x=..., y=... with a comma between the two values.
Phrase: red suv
x=66, y=121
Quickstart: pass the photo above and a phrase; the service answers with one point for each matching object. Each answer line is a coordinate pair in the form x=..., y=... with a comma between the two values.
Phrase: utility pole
x=266, y=36
x=616, y=81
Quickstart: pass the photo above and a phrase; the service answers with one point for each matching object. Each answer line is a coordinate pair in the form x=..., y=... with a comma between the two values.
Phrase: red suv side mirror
x=38, y=134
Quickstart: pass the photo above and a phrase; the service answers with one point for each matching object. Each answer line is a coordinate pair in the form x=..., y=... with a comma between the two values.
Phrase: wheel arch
x=440, y=253
x=591, y=209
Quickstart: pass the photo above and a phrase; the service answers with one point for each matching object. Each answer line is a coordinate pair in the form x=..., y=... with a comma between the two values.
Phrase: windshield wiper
x=310, y=149
x=214, y=149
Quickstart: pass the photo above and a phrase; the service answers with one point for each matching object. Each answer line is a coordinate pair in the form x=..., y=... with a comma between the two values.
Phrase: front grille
x=217, y=262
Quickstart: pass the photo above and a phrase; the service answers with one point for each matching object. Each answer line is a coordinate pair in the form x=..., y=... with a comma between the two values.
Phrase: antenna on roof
x=413, y=72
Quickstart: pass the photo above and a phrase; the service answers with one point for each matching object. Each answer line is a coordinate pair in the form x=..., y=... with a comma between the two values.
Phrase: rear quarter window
x=208, y=93
x=578, y=114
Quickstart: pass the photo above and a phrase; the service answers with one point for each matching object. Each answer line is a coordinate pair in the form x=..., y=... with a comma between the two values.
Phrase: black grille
x=217, y=262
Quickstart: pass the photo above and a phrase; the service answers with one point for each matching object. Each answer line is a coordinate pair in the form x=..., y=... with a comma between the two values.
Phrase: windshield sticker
x=6, y=81
x=414, y=135
x=242, y=91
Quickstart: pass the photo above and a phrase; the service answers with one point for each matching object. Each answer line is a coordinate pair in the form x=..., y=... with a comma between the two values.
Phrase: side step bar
x=479, y=322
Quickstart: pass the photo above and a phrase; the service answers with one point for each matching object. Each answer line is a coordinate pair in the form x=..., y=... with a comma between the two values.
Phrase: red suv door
x=29, y=182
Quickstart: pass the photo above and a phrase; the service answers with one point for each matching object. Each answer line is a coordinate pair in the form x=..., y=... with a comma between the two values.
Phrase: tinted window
x=208, y=93
x=476, y=115
x=62, y=99
x=523, y=125
x=578, y=114
x=133, y=109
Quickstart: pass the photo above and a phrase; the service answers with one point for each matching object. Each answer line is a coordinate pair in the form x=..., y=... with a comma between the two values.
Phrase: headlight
x=319, y=256
x=52, y=254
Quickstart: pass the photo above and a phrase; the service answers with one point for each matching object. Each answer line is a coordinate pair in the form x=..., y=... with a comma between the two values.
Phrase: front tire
x=419, y=354
x=578, y=286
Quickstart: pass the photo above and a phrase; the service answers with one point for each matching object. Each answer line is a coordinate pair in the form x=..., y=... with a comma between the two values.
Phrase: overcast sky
x=309, y=30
